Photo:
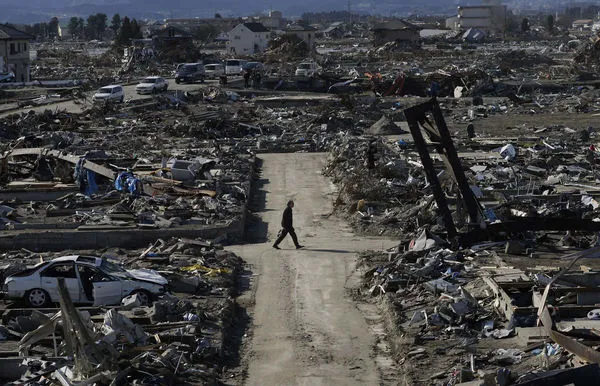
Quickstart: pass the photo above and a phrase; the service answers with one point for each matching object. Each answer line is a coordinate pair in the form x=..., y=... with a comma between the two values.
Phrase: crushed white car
x=90, y=280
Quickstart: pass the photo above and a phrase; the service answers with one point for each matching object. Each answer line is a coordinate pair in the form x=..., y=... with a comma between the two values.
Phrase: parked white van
x=214, y=70
x=235, y=66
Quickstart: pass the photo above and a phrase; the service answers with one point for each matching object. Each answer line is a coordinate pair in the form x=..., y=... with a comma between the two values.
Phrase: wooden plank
x=24, y=151
x=87, y=164
x=148, y=177
x=506, y=305
x=194, y=192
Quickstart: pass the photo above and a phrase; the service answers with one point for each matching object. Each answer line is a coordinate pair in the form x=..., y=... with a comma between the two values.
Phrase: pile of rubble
x=57, y=63
x=478, y=217
x=181, y=338
x=285, y=48
x=589, y=52
x=466, y=317
x=477, y=279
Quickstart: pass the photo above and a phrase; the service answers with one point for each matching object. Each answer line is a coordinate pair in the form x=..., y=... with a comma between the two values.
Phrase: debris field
x=482, y=166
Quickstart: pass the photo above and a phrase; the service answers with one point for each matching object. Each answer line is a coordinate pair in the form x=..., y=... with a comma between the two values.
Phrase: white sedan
x=89, y=280
x=151, y=85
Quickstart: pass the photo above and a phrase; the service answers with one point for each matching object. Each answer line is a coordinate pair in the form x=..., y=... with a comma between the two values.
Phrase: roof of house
x=256, y=27
x=331, y=28
x=298, y=27
x=399, y=24
x=171, y=32
x=10, y=33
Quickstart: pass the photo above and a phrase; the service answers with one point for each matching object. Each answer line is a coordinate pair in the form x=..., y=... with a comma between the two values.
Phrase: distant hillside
x=29, y=11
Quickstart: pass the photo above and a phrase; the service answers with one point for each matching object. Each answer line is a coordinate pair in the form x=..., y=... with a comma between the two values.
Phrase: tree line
x=43, y=30
x=329, y=17
x=94, y=28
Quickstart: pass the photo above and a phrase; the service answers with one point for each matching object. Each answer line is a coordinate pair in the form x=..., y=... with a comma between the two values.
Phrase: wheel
x=37, y=297
x=144, y=296
x=154, y=91
x=202, y=79
x=177, y=81
x=122, y=99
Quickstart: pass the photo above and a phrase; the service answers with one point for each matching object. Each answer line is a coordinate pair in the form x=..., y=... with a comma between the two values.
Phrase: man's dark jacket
x=286, y=220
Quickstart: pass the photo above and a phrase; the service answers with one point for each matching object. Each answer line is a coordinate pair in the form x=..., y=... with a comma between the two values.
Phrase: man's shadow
x=321, y=250
x=328, y=250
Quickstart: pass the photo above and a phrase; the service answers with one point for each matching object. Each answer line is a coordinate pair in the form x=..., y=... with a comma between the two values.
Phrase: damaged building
x=14, y=49
x=400, y=31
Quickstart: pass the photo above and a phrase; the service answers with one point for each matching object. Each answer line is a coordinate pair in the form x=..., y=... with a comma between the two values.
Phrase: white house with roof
x=248, y=39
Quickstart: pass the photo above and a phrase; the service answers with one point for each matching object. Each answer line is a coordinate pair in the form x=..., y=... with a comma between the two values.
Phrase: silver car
x=90, y=280
x=152, y=85
x=112, y=93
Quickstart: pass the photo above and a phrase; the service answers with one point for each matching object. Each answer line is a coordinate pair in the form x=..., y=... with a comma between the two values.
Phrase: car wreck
x=89, y=280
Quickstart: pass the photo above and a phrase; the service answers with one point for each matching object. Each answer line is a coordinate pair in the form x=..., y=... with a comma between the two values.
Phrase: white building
x=14, y=52
x=273, y=21
x=490, y=16
x=248, y=39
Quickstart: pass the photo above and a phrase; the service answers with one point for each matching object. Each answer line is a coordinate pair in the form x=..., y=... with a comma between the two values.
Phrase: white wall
x=491, y=18
x=469, y=23
x=242, y=41
x=475, y=12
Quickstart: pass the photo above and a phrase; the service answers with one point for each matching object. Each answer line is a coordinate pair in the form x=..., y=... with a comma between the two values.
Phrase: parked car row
x=191, y=73
x=114, y=93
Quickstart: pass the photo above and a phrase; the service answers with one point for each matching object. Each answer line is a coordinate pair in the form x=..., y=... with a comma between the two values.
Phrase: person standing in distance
x=287, y=227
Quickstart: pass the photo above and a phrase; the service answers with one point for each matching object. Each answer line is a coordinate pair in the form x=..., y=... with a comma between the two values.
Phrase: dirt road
x=304, y=329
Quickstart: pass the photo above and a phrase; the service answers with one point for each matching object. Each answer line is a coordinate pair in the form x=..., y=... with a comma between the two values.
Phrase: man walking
x=247, y=75
x=287, y=227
